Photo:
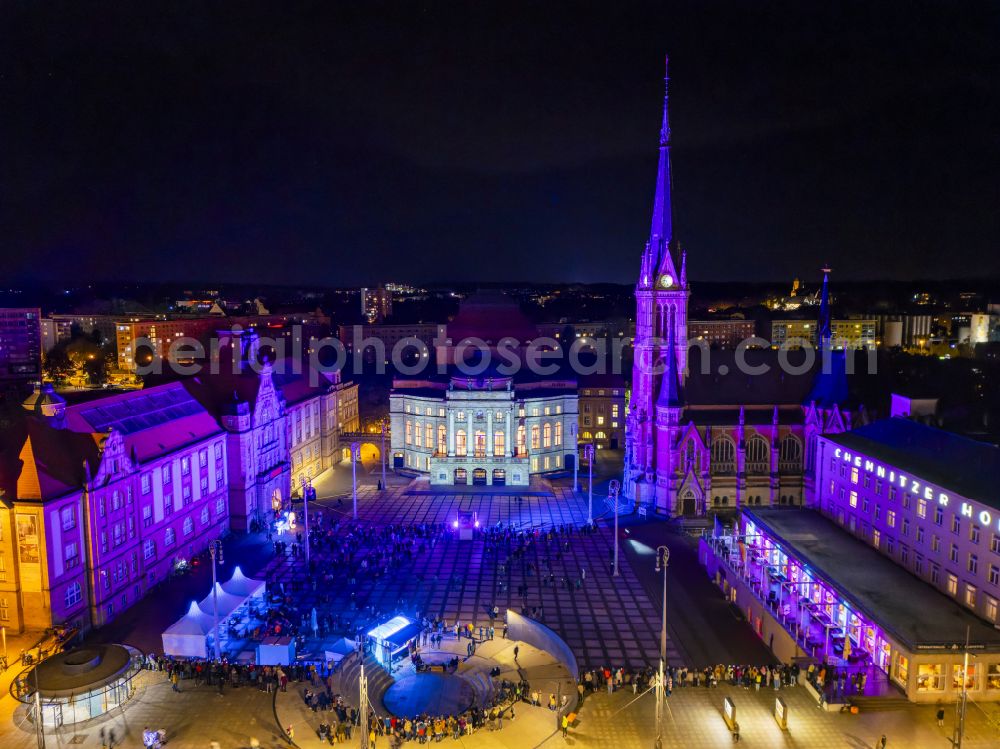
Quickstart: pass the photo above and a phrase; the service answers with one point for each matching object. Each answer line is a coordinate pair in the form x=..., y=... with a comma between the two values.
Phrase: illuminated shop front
x=817, y=594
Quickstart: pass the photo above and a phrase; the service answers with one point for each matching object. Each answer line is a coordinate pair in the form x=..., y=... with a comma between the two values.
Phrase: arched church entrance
x=689, y=505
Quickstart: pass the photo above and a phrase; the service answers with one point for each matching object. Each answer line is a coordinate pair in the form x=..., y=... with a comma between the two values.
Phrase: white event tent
x=189, y=636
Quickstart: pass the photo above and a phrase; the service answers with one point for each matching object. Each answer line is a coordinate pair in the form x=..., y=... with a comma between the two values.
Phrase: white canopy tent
x=340, y=650
x=188, y=636
x=228, y=602
x=241, y=585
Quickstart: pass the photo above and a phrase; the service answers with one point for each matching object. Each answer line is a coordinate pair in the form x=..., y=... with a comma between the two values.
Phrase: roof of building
x=52, y=462
x=729, y=416
x=154, y=421
x=761, y=380
x=218, y=391
x=911, y=610
x=491, y=317
x=965, y=466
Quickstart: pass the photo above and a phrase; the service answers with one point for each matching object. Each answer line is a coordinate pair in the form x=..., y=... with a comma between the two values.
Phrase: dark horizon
x=339, y=146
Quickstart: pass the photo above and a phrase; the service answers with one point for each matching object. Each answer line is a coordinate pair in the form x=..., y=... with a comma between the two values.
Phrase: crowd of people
x=639, y=680
x=338, y=721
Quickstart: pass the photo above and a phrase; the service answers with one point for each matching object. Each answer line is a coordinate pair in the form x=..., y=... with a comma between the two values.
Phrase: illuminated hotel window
x=876, y=537
x=890, y=518
x=970, y=595
x=854, y=498
x=952, y=585
x=922, y=508
x=992, y=606
x=854, y=475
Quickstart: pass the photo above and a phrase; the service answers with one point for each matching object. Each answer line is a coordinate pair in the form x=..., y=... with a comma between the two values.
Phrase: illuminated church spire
x=661, y=232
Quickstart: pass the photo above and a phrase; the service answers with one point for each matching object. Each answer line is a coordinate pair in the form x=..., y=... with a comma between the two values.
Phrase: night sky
x=340, y=143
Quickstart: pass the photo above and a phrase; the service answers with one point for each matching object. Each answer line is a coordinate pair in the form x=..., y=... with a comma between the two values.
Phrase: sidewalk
x=190, y=718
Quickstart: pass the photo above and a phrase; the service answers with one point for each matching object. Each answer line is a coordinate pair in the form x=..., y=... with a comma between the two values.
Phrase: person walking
x=565, y=726
x=940, y=717
x=881, y=742
x=174, y=679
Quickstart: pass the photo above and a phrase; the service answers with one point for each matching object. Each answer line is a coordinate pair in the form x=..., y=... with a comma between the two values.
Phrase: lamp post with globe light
x=306, y=490
x=215, y=551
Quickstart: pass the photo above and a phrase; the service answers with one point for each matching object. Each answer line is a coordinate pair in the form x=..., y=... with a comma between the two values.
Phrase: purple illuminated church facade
x=702, y=434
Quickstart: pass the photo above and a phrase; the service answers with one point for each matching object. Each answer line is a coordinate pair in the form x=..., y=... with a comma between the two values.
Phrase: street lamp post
x=588, y=452
x=662, y=557
x=363, y=707
x=215, y=550
x=573, y=431
x=39, y=717
x=613, y=488
x=382, y=456
x=355, y=454
x=306, y=488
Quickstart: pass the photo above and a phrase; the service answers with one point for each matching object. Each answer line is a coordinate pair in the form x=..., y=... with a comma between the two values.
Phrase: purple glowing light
x=454, y=524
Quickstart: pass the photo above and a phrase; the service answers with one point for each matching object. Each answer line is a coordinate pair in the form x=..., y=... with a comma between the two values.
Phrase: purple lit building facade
x=102, y=500
x=927, y=499
x=702, y=433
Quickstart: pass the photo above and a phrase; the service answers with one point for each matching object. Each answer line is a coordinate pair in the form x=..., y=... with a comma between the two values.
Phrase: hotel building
x=896, y=559
x=927, y=499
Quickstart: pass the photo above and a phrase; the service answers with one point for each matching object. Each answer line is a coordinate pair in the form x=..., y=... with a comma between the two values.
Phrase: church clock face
x=666, y=281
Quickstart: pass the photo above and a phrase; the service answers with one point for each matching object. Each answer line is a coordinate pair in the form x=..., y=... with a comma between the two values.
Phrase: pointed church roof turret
x=824, y=329
x=830, y=386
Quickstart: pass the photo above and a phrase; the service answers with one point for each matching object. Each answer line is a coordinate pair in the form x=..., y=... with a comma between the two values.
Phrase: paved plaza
x=605, y=621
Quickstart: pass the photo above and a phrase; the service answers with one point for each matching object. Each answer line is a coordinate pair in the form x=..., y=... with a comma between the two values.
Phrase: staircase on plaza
x=348, y=677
